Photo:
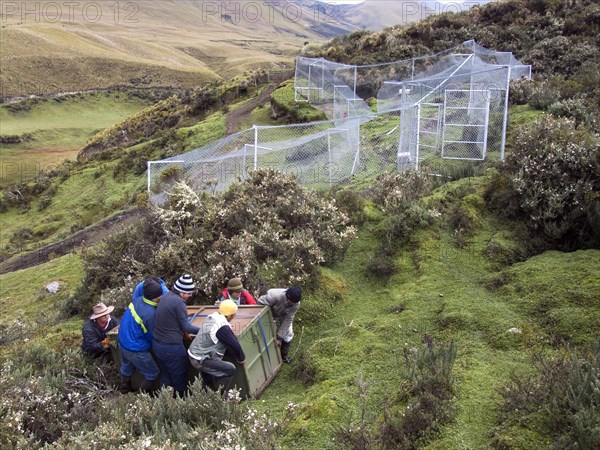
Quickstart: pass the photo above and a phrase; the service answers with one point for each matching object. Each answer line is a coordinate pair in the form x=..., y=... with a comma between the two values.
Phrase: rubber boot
x=125, y=385
x=285, y=348
x=222, y=383
x=149, y=386
x=207, y=380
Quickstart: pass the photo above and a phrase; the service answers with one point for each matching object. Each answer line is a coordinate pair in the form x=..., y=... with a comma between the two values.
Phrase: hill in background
x=51, y=47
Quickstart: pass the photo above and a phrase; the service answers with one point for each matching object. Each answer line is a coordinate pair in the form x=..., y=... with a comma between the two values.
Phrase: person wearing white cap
x=170, y=324
x=95, y=343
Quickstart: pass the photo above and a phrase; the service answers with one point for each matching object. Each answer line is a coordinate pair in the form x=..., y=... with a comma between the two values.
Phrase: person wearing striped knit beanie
x=170, y=326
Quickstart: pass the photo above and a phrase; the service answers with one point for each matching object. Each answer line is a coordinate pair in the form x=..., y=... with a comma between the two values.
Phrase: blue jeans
x=142, y=361
x=173, y=361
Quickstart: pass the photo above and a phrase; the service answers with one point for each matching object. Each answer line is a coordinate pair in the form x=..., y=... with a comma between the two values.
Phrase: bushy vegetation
x=398, y=196
x=177, y=111
x=57, y=398
x=551, y=179
x=268, y=230
x=422, y=405
x=560, y=397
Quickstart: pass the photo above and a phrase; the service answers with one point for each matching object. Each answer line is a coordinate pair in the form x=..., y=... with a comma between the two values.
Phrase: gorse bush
x=268, y=231
x=554, y=173
x=46, y=394
x=391, y=191
x=399, y=196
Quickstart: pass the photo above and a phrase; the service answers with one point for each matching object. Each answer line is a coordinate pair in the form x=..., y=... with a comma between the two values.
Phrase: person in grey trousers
x=284, y=304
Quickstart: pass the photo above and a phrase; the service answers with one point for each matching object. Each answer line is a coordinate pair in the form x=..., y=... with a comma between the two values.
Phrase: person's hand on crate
x=186, y=336
x=106, y=342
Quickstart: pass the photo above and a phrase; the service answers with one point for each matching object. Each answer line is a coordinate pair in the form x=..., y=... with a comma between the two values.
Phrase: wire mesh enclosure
x=451, y=105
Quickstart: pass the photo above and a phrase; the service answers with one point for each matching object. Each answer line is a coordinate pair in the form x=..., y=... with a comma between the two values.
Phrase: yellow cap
x=228, y=308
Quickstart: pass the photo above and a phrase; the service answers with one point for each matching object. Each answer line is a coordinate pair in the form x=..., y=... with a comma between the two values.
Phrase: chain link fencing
x=448, y=106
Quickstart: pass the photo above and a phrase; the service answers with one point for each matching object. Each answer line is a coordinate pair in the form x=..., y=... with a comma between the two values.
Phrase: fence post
x=487, y=122
x=255, y=146
x=505, y=120
x=329, y=155
x=418, y=140
x=149, y=165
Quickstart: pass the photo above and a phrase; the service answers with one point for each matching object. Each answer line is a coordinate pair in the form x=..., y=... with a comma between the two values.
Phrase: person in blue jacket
x=136, y=333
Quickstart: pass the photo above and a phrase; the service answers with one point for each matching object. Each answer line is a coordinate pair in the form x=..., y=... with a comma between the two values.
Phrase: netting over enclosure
x=452, y=105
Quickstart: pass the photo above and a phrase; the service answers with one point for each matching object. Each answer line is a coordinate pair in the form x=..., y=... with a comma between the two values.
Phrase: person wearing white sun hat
x=95, y=343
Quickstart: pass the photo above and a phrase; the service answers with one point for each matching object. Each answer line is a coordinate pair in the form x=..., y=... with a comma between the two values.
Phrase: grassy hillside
x=451, y=322
x=444, y=293
x=110, y=181
x=356, y=333
x=166, y=43
x=54, y=130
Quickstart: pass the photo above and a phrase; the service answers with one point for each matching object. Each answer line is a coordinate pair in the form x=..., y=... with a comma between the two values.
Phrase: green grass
x=84, y=196
x=209, y=130
x=23, y=294
x=283, y=99
x=58, y=128
x=444, y=294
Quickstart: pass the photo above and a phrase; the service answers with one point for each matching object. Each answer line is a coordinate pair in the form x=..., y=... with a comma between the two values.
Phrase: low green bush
x=381, y=265
x=562, y=396
x=60, y=399
x=422, y=405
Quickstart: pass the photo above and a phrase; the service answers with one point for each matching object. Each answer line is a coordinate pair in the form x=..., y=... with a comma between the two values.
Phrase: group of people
x=155, y=324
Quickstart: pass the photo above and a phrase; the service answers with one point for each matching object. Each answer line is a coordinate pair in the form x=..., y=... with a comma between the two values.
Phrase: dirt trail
x=234, y=116
x=90, y=236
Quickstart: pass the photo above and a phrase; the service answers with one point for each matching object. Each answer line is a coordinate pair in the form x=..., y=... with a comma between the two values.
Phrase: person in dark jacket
x=210, y=344
x=135, y=335
x=235, y=292
x=170, y=325
x=95, y=343
x=284, y=304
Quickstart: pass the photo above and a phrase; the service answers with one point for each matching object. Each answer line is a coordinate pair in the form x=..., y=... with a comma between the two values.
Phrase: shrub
x=397, y=229
x=425, y=403
x=46, y=394
x=392, y=190
x=268, y=230
x=59, y=399
x=381, y=265
x=352, y=204
x=554, y=171
x=563, y=394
